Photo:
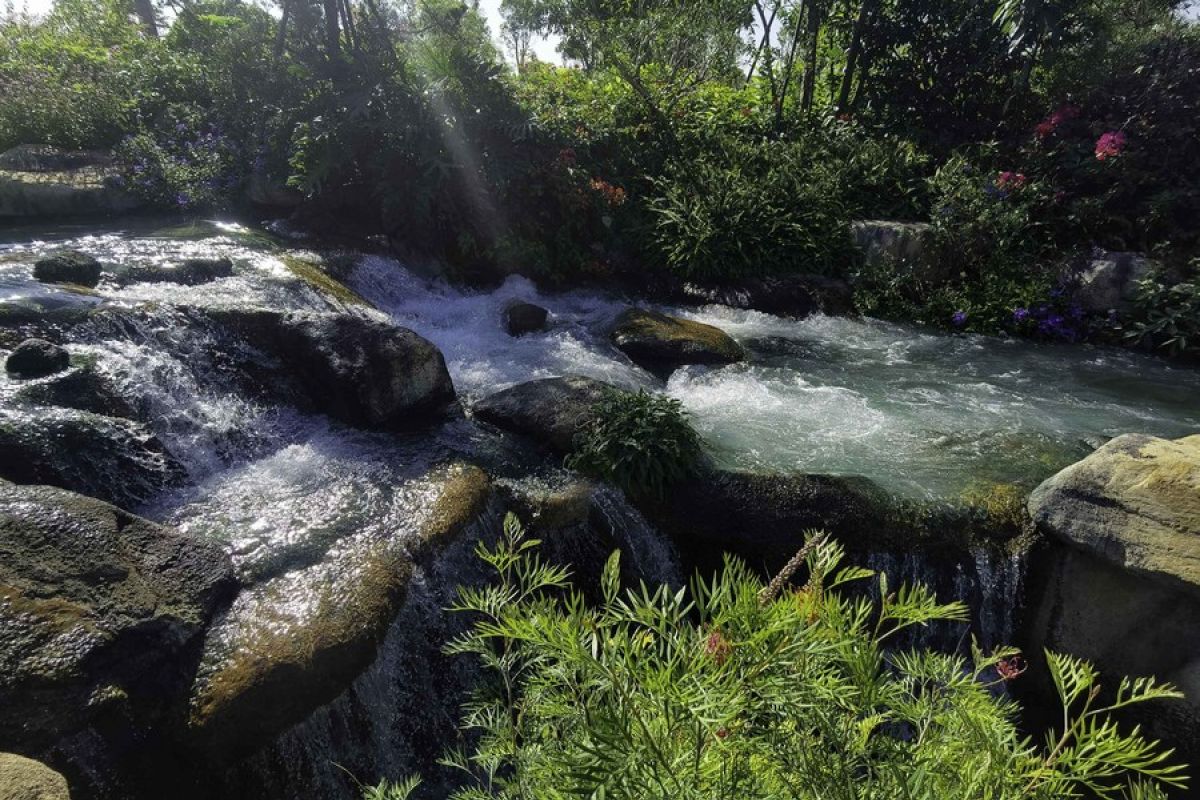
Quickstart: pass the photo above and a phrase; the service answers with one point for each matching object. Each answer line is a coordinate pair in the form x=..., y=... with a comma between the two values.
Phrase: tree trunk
x=810, y=56
x=333, y=35
x=145, y=14
x=852, y=55
x=789, y=66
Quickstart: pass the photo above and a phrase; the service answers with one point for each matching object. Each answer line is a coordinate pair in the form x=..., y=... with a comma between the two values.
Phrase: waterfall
x=653, y=557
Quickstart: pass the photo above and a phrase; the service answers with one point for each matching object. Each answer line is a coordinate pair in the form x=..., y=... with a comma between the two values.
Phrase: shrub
x=750, y=210
x=736, y=689
x=1168, y=316
x=640, y=442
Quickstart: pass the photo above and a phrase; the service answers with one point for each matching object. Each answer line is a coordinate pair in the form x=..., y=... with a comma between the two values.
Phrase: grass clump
x=639, y=442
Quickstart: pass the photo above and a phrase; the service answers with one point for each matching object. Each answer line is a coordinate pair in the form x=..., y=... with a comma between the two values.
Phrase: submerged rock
x=35, y=358
x=297, y=641
x=102, y=610
x=362, y=371
x=1134, y=503
x=551, y=411
x=114, y=459
x=190, y=272
x=68, y=266
x=658, y=341
x=521, y=318
x=25, y=779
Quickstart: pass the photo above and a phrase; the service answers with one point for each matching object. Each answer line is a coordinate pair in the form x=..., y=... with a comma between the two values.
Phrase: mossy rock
x=101, y=606
x=660, y=342
x=1135, y=503
x=323, y=282
x=297, y=641
x=25, y=779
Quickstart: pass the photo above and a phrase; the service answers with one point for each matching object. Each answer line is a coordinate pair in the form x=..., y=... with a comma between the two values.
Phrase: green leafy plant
x=1168, y=316
x=641, y=442
x=732, y=688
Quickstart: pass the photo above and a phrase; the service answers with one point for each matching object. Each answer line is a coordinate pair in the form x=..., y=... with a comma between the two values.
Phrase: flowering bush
x=192, y=166
x=1110, y=145
x=736, y=689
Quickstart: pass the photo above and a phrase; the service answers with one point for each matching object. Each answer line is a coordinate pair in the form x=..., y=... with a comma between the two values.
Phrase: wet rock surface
x=189, y=272
x=296, y=641
x=35, y=358
x=551, y=411
x=363, y=371
x=521, y=318
x=83, y=388
x=660, y=342
x=68, y=266
x=784, y=295
x=103, y=610
x=114, y=459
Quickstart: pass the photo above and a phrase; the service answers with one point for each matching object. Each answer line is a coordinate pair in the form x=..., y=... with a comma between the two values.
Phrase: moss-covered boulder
x=25, y=779
x=660, y=342
x=101, y=611
x=68, y=266
x=1135, y=503
x=551, y=411
x=359, y=369
x=35, y=358
x=296, y=641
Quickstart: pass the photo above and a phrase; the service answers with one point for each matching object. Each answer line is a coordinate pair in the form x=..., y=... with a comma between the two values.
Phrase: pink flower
x=1051, y=123
x=717, y=647
x=1010, y=181
x=1110, y=145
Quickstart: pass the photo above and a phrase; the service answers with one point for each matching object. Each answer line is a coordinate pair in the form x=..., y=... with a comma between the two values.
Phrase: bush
x=736, y=689
x=1168, y=316
x=640, y=442
x=749, y=211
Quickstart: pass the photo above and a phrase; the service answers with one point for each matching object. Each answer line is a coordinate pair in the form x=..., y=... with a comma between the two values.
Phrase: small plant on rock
x=640, y=442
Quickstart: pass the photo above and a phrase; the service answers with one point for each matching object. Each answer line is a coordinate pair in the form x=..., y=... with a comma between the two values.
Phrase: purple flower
x=182, y=199
x=959, y=318
x=1020, y=314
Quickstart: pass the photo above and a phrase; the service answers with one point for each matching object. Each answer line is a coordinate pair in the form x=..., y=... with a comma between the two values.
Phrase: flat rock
x=100, y=610
x=1134, y=503
x=551, y=411
x=658, y=341
x=189, y=272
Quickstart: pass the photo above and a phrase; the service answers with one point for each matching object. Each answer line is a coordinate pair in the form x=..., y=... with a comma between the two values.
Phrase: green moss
x=312, y=274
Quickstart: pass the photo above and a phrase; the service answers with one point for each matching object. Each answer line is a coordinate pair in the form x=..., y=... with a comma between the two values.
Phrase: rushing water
x=922, y=413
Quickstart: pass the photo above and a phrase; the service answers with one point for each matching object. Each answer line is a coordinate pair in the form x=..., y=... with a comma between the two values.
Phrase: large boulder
x=782, y=295
x=103, y=612
x=114, y=459
x=296, y=641
x=1108, y=281
x=551, y=411
x=68, y=266
x=1134, y=503
x=35, y=358
x=361, y=370
x=25, y=779
x=660, y=342
x=1119, y=581
x=522, y=318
